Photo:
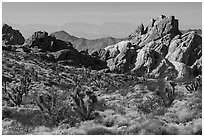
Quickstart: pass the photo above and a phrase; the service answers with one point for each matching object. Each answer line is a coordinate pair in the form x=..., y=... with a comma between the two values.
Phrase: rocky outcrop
x=47, y=43
x=54, y=50
x=158, y=50
x=92, y=62
x=11, y=36
x=158, y=28
x=66, y=54
x=186, y=48
x=120, y=57
x=72, y=57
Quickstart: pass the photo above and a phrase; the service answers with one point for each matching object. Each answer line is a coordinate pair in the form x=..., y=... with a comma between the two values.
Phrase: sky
x=58, y=13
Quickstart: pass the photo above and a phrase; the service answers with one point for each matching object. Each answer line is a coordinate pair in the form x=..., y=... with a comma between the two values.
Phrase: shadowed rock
x=47, y=43
x=11, y=36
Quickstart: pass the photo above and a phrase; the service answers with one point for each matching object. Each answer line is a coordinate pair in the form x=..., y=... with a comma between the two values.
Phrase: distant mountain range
x=81, y=29
x=82, y=43
x=85, y=30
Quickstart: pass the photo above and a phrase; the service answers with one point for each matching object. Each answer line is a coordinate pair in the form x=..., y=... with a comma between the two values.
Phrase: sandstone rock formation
x=11, y=36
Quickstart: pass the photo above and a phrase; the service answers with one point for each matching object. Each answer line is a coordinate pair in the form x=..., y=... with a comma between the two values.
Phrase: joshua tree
x=85, y=102
x=17, y=95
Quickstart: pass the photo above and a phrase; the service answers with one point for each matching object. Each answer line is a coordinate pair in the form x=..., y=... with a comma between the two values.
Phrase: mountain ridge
x=83, y=43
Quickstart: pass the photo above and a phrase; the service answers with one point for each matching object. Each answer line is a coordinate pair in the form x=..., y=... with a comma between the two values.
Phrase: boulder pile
x=52, y=49
x=44, y=42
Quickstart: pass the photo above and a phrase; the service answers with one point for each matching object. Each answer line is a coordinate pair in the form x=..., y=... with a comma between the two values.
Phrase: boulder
x=118, y=47
x=184, y=72
x=11, y=36
x=94, y=63
x=186, y=49
x=66, y=54
x=147, y=60
x=164, y=69
x=174, y=71
x=120, y=57
x=47, y=43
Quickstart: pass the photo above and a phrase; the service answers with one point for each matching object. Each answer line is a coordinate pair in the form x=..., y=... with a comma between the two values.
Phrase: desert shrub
x=16, y=94
x=150, y=127
x=162, y=94
x=197, y=126
x=6, y=113
x=167, y=93
x=152, y=104
x=184, y=130
x=13, y=127
x=153, y=127
x=115, y=120
x=133, y=130
x=84, y=103
x=34, y=74
x=41, y=130
x=91, y=128
x=185, y=115
x=57, y=109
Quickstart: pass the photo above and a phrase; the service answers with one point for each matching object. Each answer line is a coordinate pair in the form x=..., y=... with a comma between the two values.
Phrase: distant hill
x=82, y=43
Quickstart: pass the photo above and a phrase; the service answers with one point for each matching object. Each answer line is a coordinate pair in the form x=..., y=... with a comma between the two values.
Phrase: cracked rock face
x=11, y=36
x=186, y=49
x=157, y=29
